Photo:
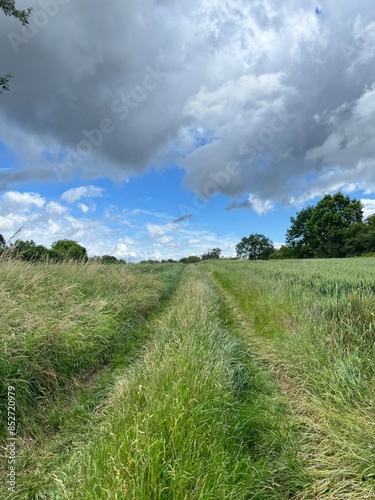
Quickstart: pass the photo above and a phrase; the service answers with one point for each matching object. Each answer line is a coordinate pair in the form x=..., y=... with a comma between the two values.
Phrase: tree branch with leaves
x=9, y=9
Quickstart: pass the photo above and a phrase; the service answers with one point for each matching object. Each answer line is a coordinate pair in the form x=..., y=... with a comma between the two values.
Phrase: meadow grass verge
x=196, y=417
x=66, y=422
x=62, y=322
x=312, y=324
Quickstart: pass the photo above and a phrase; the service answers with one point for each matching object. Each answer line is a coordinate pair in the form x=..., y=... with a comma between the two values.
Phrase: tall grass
x=60, y=320
x=195, y=415
x=314, y=322
x=195, y=418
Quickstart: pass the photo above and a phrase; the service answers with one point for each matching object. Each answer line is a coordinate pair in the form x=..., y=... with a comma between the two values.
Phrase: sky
x=156, y=129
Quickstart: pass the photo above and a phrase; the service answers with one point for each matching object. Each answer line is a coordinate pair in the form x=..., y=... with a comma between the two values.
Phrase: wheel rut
x=329, y=475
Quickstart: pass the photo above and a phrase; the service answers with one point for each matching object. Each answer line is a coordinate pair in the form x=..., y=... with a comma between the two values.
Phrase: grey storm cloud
x=253, y=203
x=285, y=91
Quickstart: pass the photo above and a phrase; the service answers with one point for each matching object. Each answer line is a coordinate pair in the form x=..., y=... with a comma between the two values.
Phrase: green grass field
x=223, y=379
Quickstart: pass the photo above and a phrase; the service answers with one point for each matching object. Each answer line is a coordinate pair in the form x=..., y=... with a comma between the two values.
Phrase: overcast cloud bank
x=107, y=90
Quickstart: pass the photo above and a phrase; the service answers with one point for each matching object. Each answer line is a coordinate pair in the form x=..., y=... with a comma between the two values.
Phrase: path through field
x=211, y=407
x=337, y=441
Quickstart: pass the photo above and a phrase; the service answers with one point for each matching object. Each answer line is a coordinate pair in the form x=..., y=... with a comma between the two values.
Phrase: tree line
x=334, y=227
x=215, y=253
x=61, y=250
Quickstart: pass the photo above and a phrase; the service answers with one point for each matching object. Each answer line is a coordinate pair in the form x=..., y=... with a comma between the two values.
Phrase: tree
x=299, y=235
x=109, y=259
x=192, y=259
x=67, y=250
x=371, y=221
x=212, y=254
x=9, y=8
x=283, y=253
x=4, y=82
x=2, y=241
x=254, y=247
x=29, y=250
x=360, y=238
x=321, y=231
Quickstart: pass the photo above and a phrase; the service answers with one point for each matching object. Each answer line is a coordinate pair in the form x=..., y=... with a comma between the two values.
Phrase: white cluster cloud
x=75, y=194
x=369, y=207
x=43, y=221
x=32, y=217
x=111, y=90
x=22, y=202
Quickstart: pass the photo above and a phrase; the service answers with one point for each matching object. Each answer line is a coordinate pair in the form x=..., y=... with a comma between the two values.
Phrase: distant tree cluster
x=153, y=261
x=215, y=253
x=61, y=250
x=192, y=259
x=334, y=227
x=255, y=247
x=68, y=250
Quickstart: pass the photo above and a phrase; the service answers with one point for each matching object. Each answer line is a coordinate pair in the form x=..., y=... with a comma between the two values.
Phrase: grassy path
x=338, y=437
x=195, y=418
x=52, y=330
x=61, y=323
x=216, y=394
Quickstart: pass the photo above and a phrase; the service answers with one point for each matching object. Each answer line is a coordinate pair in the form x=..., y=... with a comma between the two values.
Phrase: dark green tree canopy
x=370, y=221
x=28, y=250
x=215, y=253
x=68, y=249
x=254, y=247
x=2, y=241
x=109, y=259
x=321, y=230
x=192, y=259
x=283, y=252
x=298, y=236
x=360, y=238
